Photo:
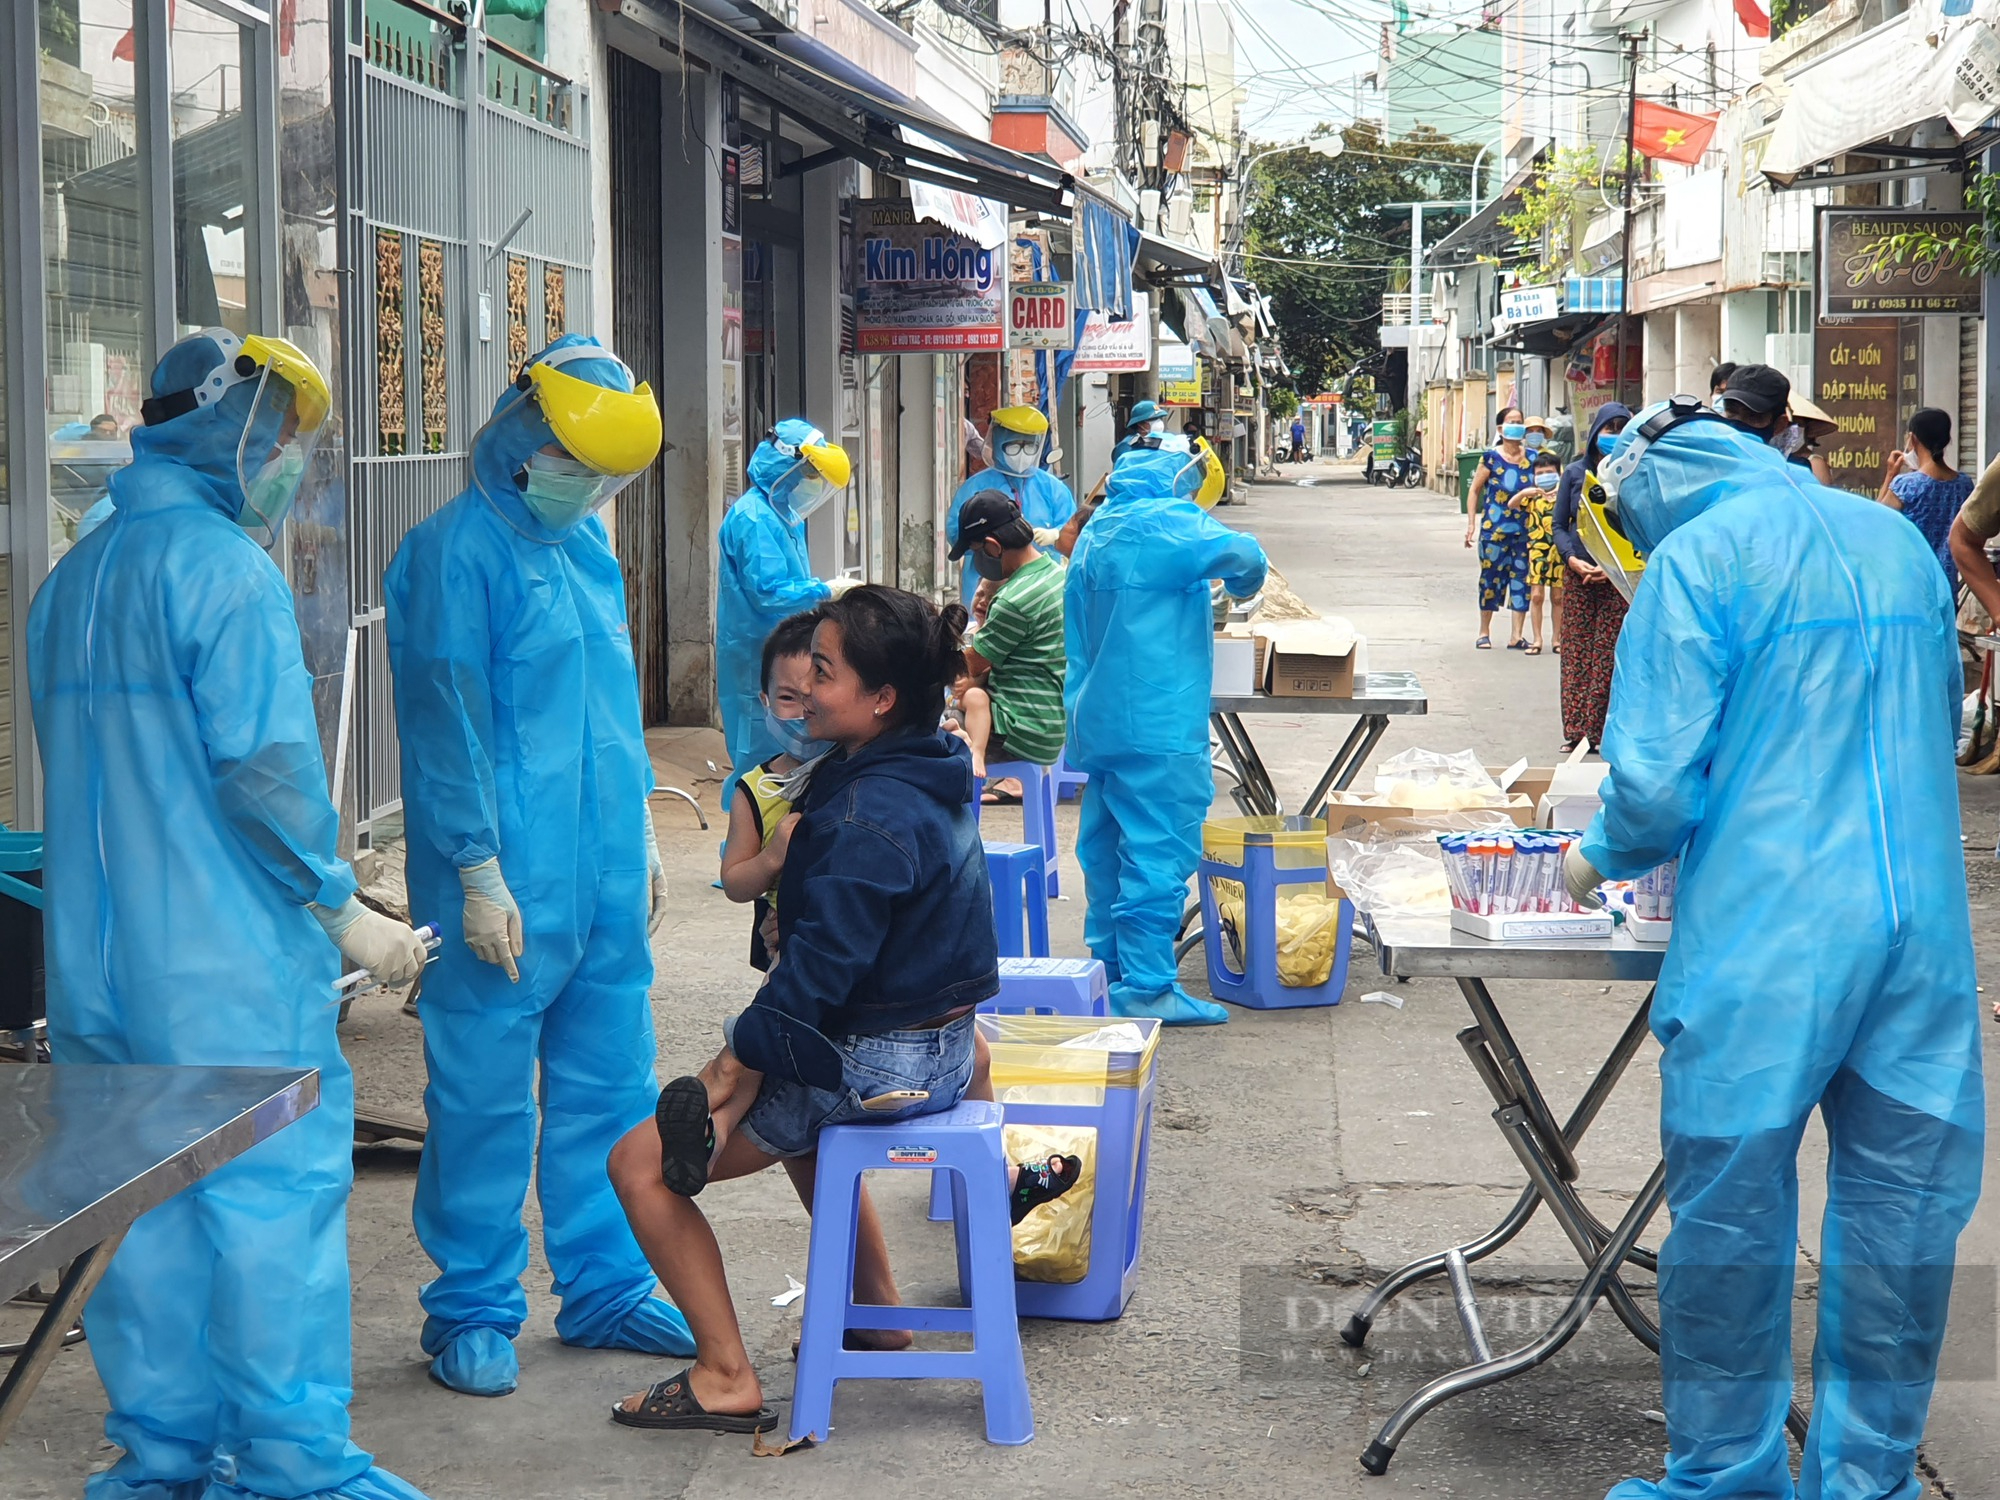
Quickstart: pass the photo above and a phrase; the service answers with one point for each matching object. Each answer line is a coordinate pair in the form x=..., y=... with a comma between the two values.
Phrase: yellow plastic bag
x=1308, y=932
x=1053, y=1243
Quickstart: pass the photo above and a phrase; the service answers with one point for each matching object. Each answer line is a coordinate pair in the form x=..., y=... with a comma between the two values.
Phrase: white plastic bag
x=1389, y=879
x=1429, y=780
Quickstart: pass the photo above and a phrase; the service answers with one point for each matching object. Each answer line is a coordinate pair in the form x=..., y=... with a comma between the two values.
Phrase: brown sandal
x=671, y=1405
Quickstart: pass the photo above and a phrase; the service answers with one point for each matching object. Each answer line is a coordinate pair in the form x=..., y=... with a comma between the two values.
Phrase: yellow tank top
x=770, y=807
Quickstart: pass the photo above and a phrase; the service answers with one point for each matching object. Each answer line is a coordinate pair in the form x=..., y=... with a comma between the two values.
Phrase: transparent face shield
x=1017, y=453
x=605, y=438
x=822, y=471
x=287, y=419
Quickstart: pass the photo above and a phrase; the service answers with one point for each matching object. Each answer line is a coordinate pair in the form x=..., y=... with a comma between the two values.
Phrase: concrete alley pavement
x=1297, y=1156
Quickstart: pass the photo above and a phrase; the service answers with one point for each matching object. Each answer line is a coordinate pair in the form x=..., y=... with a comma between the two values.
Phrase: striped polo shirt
x=1023, y=638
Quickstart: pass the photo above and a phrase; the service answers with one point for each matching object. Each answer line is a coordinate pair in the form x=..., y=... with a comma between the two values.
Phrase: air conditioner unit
x=1792, y=353
x=1180, y=215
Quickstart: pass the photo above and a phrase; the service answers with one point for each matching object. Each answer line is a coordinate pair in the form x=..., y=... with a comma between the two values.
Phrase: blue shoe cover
x=1174, y=1007
x=370, y=1484
x=653, y=1326
x=477, y=1362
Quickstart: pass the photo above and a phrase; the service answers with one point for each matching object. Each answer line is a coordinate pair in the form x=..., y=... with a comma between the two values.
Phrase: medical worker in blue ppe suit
x=1016, y=437
x=1147, y=417
x=1783, y=718
x=762, y=575
x=192, y=888
x=525, y=779
x=1139, y=633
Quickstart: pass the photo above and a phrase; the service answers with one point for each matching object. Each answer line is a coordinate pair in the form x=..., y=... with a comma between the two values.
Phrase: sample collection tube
x=1504, y=872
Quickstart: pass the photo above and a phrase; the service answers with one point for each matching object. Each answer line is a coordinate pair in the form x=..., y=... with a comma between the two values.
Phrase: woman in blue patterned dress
x=1497, y=515
x=1924, y=487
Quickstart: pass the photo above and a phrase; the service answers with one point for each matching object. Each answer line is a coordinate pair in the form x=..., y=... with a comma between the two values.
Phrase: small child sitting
x=760, y=833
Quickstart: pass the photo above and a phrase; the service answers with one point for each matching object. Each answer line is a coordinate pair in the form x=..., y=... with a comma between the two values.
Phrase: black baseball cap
x=990, y=513
x=1758, y=389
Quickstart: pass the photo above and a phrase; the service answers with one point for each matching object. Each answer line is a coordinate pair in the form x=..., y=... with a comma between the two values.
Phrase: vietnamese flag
x=1670, y=134
x=1755, y=22
x=127, y=47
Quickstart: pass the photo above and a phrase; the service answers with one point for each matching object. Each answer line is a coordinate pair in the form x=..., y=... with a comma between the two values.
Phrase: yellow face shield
x=1607, y=545
x=615, y=433
x=311, y=396
x=1214, y=477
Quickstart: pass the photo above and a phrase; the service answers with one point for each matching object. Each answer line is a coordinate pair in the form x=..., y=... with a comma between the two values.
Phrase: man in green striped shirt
x=1014, y=709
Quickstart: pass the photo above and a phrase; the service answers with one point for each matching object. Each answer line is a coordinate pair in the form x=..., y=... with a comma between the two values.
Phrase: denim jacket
x=885, y=918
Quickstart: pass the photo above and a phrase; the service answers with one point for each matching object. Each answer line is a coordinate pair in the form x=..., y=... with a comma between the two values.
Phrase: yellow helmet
x=613, y=432
x=1020, y=419
x=287, y=415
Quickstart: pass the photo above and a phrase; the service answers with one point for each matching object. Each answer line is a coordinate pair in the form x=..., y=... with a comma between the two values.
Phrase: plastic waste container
x=1264, y=898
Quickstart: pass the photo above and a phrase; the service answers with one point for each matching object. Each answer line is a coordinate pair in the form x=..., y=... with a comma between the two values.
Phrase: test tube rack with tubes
x=1507, y=885
x=1650, y=917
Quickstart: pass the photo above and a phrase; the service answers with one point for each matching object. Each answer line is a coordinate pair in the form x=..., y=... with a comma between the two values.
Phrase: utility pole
x=1631, y=41
x=1411, y=379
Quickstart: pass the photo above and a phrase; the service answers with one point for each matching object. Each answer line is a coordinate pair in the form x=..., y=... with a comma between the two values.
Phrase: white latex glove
x=492, y=920
x=1582, y=878
x=1047, y=536
x=656, y=878
x=842, y=584
x=389, y=950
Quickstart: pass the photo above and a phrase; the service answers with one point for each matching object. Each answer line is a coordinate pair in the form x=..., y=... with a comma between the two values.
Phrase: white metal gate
x=468, y=244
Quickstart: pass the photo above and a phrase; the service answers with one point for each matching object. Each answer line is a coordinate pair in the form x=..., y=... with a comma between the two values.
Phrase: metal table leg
x=1250, y=768
x=78, y=1282
x=1375, y=1458
x=1346, y=763
x=1580, y=1120
x=1514, y=1068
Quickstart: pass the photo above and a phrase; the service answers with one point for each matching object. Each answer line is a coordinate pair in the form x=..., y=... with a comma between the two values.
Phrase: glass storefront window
x=96, y=249
x=214, y=157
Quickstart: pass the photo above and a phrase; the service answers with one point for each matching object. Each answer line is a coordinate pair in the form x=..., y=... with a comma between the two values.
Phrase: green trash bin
x=1468, y=465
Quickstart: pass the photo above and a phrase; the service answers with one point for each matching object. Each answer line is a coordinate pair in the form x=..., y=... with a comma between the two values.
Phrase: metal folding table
x=1430, y=948
x=85, y=1150
x=1377, y=697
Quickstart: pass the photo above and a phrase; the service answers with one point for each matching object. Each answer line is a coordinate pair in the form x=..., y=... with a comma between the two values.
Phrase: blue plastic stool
x=1051, y=987
x=1020, y=894
x=1257, y=986
x=966, y=1143
x=1038, y=809
x=1068, y=783
x=1036, y=986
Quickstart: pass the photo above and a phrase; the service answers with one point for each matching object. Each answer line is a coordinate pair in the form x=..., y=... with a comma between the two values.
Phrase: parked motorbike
x=1405, y=470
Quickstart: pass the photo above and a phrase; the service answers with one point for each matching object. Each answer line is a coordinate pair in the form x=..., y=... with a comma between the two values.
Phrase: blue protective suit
x=1140, y=637
x=188, y=827
x=1045, y=502
x=762, y=577
x=517, y=703
x=1784, y=716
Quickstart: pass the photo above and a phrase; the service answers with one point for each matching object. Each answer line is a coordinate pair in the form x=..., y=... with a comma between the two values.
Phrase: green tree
x=1282, y=401
x=1317, y=244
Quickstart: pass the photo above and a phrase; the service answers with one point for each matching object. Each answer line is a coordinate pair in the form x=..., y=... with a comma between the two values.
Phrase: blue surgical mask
x=1514, y=431
x=794, y=738
x=560, y=491
x=1606, y=441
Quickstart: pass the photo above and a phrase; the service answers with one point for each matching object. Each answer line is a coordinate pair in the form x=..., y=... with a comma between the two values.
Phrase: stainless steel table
x=85, y=1150
x=1430, y=948
x=1377, y=697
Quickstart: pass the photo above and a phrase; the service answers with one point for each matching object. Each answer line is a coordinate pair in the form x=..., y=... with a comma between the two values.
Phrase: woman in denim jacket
x=885, y=945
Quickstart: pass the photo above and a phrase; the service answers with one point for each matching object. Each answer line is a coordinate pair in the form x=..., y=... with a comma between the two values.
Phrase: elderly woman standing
x=1593, y=609
x=1497, y=516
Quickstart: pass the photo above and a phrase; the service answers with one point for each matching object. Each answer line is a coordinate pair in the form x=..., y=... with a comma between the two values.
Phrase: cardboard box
x=1572, y=799
x=1235, y=673
x=1310, y=659
x=1532, y=783
x=1259, y=648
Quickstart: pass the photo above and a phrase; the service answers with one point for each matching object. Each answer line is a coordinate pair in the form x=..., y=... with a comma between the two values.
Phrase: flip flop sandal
x=1036, y=1185
x=1533, y=651
x=687, y=1136
x=1484, y=643
x=1521, y=645
x=671, y=1406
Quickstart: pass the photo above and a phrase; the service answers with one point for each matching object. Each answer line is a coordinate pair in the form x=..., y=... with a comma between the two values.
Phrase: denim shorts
x=788, y=1116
